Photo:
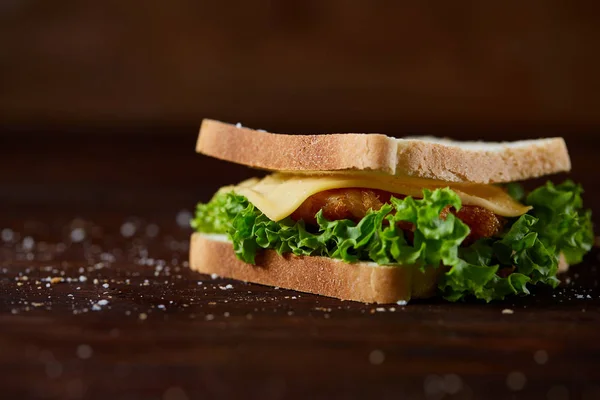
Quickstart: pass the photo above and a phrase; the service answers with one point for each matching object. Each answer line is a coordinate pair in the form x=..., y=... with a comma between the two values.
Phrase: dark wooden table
x=96, y=300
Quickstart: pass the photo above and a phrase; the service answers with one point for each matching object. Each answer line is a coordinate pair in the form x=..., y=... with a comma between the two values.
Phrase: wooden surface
x=96, y=301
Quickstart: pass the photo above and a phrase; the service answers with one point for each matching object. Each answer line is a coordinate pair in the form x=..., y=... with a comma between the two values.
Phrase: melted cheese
x=279, y=195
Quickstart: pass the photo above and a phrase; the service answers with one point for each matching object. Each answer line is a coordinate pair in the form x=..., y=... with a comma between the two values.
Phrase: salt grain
x=7, y=235
x=77, y=235
x=175, y=393
x=433, y=386
x=183, y=218
x=84, y=351
x=540, y=357
x=152, y=230
x=376, y=357
x=402, y=302
x=128, y=229
x=452, y=383
x=516, y=381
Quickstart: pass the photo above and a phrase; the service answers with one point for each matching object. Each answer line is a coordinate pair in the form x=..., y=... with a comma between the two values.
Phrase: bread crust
x=364, y=282
x=296, y=152
x=419, y=157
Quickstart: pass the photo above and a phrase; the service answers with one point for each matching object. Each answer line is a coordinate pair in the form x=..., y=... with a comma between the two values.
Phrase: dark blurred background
x=105, y=92
x=312, y=65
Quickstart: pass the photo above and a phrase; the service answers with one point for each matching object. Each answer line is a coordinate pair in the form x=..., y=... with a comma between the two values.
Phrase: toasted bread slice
x=365, y=282
x=423, y=157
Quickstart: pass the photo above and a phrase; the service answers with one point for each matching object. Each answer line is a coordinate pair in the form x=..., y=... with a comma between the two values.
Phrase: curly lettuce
x=490, y=269
x=375, y=237
x=563, y=223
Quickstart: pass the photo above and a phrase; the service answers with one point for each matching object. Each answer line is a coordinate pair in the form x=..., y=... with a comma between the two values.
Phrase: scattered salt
x=183, y=218
x=152, y=230
x=28, y=243
x=84, y=351
x=7, y=235
x=376, y=357
x=77, y=235
x=516, y=380
x=128, y=229
x=452, y=383
x=540, y=357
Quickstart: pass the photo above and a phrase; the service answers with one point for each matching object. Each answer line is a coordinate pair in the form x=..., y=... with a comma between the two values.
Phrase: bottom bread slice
x=363, y=281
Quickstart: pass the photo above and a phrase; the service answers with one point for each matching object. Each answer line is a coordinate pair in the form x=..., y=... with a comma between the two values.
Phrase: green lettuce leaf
x=519, y=252
x=216, y=215
x=515, y=190
x=563, y=223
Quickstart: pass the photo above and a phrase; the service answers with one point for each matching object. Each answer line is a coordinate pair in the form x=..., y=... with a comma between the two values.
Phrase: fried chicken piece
x=353, y=204
x=482, y=222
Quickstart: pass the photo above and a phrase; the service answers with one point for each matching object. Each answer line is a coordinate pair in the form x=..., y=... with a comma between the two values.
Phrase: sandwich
x=377, y=219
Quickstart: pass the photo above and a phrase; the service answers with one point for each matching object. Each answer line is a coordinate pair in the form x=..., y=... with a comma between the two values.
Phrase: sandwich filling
x=355, y=203
x=490, y=243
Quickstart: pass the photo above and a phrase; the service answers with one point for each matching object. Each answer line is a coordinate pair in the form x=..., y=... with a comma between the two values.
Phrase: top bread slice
x=422, y=157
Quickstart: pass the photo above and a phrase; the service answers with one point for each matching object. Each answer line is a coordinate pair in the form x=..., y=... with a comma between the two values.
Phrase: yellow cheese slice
x=280, y=194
